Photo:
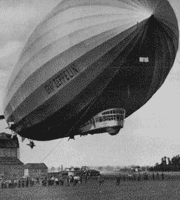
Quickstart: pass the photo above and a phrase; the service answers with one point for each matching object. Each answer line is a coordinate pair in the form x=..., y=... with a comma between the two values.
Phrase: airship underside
x=86, y=57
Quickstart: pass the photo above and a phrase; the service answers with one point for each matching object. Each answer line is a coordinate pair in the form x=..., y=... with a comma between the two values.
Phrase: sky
x=149, y=134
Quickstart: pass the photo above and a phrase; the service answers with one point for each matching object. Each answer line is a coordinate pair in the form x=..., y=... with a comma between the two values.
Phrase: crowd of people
x=46, y=181
x=74, y=180
x=139, y=177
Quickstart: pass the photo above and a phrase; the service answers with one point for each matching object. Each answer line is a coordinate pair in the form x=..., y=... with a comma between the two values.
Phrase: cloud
x=18, y=20
x=9, y=54
x=14, y=21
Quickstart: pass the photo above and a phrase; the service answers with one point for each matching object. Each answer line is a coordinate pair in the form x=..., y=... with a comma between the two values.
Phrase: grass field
x=136, y=190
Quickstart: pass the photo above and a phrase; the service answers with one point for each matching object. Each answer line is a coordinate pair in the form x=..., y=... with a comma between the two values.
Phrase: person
x=145, y=176
x=162, y=175
x=157, y=176
x=124, y=177
x=67, y=181
x=86, y=178
x=101, y=180
x=139, y=177
x=27, y=182
x=76, y=180
x=71, y=180
x=134, y=177
x=80, y=179
x=61, y=180
x=153, y=176
x=118, y=180
x=56, y=181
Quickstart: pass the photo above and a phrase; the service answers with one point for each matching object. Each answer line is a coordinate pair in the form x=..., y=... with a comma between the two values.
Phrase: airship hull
x=86, y=57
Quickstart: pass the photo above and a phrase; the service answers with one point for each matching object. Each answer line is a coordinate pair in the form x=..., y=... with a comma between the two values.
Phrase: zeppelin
x=87, y=57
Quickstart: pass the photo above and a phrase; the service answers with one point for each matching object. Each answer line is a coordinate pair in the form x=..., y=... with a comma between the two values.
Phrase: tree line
x=167, y=164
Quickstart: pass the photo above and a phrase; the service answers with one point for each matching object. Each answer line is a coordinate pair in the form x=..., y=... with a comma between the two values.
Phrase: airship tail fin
x=2, y=117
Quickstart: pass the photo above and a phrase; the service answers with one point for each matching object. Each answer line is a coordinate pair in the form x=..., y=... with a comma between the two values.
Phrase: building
x=10, y=165
x=9, y=147
x=35, y=170
x=11, y=168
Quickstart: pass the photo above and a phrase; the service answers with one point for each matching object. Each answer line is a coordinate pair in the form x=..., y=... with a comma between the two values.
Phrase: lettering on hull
x=62, y=78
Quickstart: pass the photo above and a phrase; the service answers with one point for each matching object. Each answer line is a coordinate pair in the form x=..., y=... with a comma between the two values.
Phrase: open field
x=136, y=190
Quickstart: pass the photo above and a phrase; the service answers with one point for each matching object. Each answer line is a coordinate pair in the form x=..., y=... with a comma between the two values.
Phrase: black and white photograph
x=89, y=100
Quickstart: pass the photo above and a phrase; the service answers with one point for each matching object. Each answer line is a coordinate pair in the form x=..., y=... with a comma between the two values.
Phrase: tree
x=53, y=169
x=168, y=164
x=100, y=168
x=157, y=164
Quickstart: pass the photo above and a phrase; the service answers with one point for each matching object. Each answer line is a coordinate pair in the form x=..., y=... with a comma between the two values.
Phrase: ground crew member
x=101, y=180
x=118, y=180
